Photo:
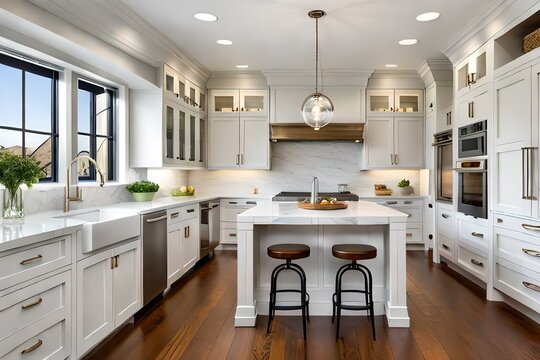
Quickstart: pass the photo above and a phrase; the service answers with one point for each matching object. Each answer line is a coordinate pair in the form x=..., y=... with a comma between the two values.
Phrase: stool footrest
x=287, y=307
x=355, y=307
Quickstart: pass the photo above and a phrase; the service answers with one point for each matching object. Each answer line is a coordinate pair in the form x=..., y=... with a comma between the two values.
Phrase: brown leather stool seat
x=353, y=252
x=288, y=252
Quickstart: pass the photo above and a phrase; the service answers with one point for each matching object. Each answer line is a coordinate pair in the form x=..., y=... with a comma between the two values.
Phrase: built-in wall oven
x=472, y=140
x=444, y=166
x=472, y=187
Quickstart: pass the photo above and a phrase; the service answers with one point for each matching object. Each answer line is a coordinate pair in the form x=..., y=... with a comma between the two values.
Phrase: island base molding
x=246, y=316
x=397, y=316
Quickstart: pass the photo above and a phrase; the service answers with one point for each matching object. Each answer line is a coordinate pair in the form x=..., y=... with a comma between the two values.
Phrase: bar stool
x=288, y=252
x=353, y=252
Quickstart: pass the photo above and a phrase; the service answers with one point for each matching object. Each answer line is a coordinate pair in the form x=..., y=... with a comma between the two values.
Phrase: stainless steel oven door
x=472, y=188
x=472, y=145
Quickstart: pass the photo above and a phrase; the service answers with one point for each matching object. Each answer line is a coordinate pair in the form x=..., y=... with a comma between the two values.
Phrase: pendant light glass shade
x=317, y=110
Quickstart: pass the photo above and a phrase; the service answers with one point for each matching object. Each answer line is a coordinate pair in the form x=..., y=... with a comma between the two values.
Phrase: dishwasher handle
x=159, y=218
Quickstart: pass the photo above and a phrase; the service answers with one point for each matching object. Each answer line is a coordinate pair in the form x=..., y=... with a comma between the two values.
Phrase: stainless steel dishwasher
x=209, y=227
x=154, y=249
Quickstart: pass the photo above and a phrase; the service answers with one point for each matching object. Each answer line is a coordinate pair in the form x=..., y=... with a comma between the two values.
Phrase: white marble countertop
x=394, y=197
x=37, y=227
x=357, y=213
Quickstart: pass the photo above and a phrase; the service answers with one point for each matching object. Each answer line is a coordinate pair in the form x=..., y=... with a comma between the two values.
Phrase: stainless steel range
x=299, y=196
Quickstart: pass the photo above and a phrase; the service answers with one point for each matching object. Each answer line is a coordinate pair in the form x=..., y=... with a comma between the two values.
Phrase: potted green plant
x=405, y=187
x=142, y=190
x=15, y=171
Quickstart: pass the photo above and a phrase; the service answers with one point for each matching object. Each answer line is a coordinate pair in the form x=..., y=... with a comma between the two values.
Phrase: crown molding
x=435, y=71
x=347, y=77
x=486, y=26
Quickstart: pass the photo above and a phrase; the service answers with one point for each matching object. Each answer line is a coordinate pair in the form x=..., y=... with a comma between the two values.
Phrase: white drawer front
x=49, y=344
x=229, y=214
x=521, y=249
x=519, y=283
x=413, y=235
x=229, y=236
x=445, y=222
x=27, y=305
x=446, y=247
x=473, y=234
x=182, y=213
x=472, y=262
x=23, y=264
x=516, y=224
x=414, y=215
x=239, y=202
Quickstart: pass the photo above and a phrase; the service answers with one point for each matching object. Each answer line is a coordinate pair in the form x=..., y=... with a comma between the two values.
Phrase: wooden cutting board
x=310, y=206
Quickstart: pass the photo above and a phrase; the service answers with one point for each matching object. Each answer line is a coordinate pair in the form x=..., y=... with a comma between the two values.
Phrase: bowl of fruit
x=183, y=191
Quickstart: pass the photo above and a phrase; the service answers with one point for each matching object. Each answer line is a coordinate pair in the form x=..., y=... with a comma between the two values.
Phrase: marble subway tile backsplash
x=294, y=164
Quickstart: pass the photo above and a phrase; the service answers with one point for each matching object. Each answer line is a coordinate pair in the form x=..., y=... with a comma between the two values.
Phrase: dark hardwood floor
x=450, y=319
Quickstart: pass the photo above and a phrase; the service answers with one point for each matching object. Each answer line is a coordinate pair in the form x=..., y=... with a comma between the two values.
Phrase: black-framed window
x=29, y=112
x=96, y=129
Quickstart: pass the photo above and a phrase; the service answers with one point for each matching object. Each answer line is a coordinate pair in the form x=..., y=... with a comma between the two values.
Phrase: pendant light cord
x=317, y=55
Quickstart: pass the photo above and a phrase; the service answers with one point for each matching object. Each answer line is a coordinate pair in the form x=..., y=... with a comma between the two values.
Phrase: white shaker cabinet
x=401, y=102
x=108, y=293
x=474, y=106
x=515, y=144
x=393, y=142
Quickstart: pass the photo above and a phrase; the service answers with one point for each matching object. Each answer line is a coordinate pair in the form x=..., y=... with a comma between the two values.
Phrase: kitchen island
x=364, y=222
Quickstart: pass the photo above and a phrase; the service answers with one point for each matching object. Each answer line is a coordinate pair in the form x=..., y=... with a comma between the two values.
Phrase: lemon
x=183, y=189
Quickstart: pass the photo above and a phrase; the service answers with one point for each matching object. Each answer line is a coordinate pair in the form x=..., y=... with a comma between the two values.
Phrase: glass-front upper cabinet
x=230, y=102
x=403, y=102
x=178, y=88
x=202, y=141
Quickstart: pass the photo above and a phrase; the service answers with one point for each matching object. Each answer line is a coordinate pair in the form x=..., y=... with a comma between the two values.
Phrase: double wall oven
x=471, y=169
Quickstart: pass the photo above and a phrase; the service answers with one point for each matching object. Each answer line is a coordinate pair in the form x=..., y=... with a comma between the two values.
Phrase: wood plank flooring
x=450, y=319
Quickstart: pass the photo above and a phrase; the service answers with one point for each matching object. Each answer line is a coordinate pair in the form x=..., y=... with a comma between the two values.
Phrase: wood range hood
x=331, y=132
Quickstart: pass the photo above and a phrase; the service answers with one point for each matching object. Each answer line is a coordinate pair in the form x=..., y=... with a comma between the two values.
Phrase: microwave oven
x=472, y=140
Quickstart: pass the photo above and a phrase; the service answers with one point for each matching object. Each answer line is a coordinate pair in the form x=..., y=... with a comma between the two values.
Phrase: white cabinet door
x=380, y=102
x=255, y=146
x=224, y=102
x=348, y=103
x=409, y=102
x=190, y=246
x=476, y=106
x=174, y=261
x=224, y=150
x=126, y=282
x=94, y=300
x=512, y=133
x=379, y=142
x=408, y=142
x=254, y=102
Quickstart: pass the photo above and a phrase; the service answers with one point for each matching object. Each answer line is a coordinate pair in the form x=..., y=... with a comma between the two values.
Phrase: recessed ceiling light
x=408, y=42
x=391, y=65
x=205, y=17
x=242, y=66
x=224, y=42
x=428, y=16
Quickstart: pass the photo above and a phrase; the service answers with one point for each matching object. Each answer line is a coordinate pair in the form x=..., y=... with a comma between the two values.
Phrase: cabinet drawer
x=402, y=203
x=519, y=283
x=22, y=264
x=247, y=203
x=446, y=246
x=414, y=214
x=229, y=235
x=229, y=214
x=413, y=235
x=445, y=222
x=473, y=234
x=517, y=224
x=472, y=262
x=27, y=305
x=182, y=213
x=50, y=344
x=522, y=250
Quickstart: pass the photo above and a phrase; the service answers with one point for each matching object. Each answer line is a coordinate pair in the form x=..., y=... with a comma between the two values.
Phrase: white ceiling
x=278, y=34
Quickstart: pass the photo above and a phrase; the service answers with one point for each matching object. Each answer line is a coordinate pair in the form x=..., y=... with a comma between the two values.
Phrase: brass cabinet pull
x=116, y=262
x=449, y=118
x=530, y=227
x=531, y=252
x=446, y=216
x=31, y=260
x=391, y=202
x=237, y=159
x=241, y=159
x=446, y=246
x=190, y=210
x=477, y=263
x=531, y=286
x=174, y=215
x=477, y=234
x=33, y=347
x=28, y=306
x=251, y=202
x=392, y=159
x=113, y=260
x=396, y=161
x=232, y=234
x=470, y=109
x=186, y=231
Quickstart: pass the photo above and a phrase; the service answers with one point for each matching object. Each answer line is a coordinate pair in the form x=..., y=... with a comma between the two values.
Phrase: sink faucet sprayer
x=314, y=190
x=78, y=197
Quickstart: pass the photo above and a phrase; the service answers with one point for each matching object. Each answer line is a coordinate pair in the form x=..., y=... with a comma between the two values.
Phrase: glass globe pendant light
x=317, y=109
